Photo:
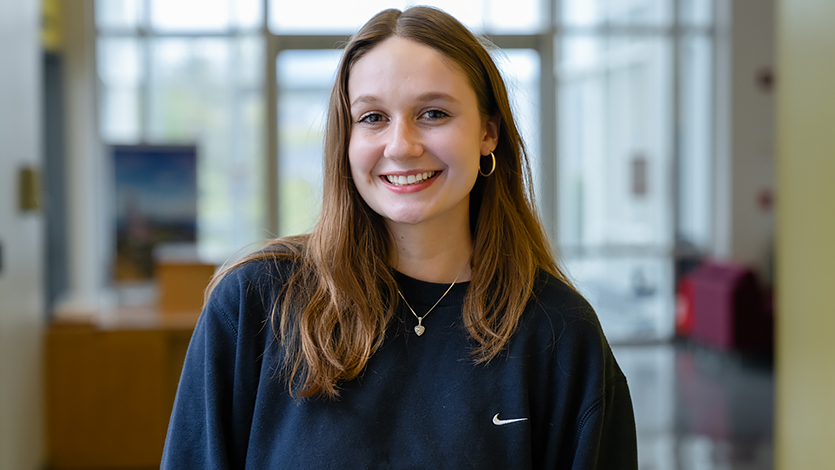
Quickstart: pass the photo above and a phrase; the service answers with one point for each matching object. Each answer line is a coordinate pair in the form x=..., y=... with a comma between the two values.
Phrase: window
x=304, y=79
x=335, y=17
x=633, y=157
x=613, y=98
x=191, y=72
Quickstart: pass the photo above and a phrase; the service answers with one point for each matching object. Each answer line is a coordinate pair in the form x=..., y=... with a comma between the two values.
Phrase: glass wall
x=337, y=17
x=190, y=72
x=613, y=99
x=633, y=158
x=304, y=79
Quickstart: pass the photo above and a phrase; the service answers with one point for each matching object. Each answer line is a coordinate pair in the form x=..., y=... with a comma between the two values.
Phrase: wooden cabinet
x=110, y=388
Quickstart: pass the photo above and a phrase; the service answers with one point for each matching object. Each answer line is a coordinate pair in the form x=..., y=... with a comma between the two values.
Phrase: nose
x=403, y=140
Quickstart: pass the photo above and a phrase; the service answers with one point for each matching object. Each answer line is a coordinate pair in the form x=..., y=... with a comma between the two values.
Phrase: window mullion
x=548, y=138
x=674, y=171
x=271, y=163
x=145, y=85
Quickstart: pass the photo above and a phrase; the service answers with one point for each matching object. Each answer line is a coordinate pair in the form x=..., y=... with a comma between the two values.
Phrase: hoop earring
x=491, y=170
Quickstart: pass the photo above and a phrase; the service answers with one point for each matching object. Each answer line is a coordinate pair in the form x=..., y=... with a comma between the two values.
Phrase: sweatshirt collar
x=419, y=292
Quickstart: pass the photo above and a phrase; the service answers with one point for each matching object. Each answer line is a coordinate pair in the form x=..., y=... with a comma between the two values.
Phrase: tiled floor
x=700, y=409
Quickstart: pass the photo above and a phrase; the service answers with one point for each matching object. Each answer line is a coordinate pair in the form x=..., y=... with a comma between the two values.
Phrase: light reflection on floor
x=700, y=409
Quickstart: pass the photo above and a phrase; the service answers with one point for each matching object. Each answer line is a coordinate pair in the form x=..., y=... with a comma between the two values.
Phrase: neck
x=432, y=254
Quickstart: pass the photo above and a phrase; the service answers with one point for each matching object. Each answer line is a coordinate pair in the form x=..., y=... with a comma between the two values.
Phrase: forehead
x=403, y=65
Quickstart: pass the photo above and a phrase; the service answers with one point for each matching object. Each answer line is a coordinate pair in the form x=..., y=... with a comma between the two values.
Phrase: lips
x=408, y=180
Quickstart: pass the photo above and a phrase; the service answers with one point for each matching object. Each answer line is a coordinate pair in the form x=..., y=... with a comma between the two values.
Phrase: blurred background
x=145, y=142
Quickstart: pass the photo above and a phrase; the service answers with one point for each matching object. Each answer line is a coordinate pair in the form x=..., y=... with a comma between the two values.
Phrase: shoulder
x=263, y=271
x=265, y=268
x=564, y=326
x=552, y=293
x=251, y=286
x=560, y=305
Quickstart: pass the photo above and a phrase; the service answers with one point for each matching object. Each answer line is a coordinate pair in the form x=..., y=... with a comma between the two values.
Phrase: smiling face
x=417, y=134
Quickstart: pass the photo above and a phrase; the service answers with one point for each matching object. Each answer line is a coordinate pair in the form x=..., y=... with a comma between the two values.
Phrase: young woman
x=424, y=323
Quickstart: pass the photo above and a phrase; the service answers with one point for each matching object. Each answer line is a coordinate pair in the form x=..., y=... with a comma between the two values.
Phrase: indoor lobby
x=681, y=154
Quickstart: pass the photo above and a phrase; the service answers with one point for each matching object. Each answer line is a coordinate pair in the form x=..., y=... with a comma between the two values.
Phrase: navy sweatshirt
x=555, y=398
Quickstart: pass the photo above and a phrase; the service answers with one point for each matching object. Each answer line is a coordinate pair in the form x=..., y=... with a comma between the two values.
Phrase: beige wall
x=743, y=229
x=751, y=167
x=805, y=418
x=21, y=302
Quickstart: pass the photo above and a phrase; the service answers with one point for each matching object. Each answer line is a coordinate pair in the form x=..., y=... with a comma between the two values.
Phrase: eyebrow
x=429, y=96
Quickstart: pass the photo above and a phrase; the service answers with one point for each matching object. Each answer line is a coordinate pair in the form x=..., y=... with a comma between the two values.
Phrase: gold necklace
x=419, y=328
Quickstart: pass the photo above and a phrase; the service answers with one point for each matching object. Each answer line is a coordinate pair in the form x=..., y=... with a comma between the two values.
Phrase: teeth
x=411, y=179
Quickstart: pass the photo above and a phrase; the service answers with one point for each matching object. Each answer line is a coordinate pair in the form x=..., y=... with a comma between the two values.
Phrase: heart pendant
x=419, y=329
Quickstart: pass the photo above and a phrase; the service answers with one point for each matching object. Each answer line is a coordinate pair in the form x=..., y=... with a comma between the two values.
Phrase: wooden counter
x=110, y=387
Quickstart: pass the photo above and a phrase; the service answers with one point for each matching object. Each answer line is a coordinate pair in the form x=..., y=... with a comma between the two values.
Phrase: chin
x=406, y=219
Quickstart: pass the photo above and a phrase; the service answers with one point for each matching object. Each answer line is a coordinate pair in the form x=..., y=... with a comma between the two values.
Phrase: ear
x=491, y=134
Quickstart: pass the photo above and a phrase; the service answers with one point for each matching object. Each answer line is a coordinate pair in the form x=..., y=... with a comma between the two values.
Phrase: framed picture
x=155, y=202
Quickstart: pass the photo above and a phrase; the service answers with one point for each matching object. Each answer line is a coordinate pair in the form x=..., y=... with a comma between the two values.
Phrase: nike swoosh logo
x=502, y=422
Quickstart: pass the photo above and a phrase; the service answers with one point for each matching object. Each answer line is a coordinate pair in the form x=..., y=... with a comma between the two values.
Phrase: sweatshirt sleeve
x=210, y=423
x=606, y=437
x=583, y=395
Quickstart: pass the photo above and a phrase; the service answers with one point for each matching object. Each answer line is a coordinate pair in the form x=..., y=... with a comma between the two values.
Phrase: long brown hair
x=336, y=306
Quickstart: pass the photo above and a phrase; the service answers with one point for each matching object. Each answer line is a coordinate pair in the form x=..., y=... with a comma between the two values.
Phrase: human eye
x=370, y=118
x=435, y=115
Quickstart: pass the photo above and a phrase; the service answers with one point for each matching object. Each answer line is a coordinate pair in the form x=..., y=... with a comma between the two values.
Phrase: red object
x=684, y=307
x=727, y=308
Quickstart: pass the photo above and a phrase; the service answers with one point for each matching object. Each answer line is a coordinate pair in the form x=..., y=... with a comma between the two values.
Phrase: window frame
x=546, y=42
